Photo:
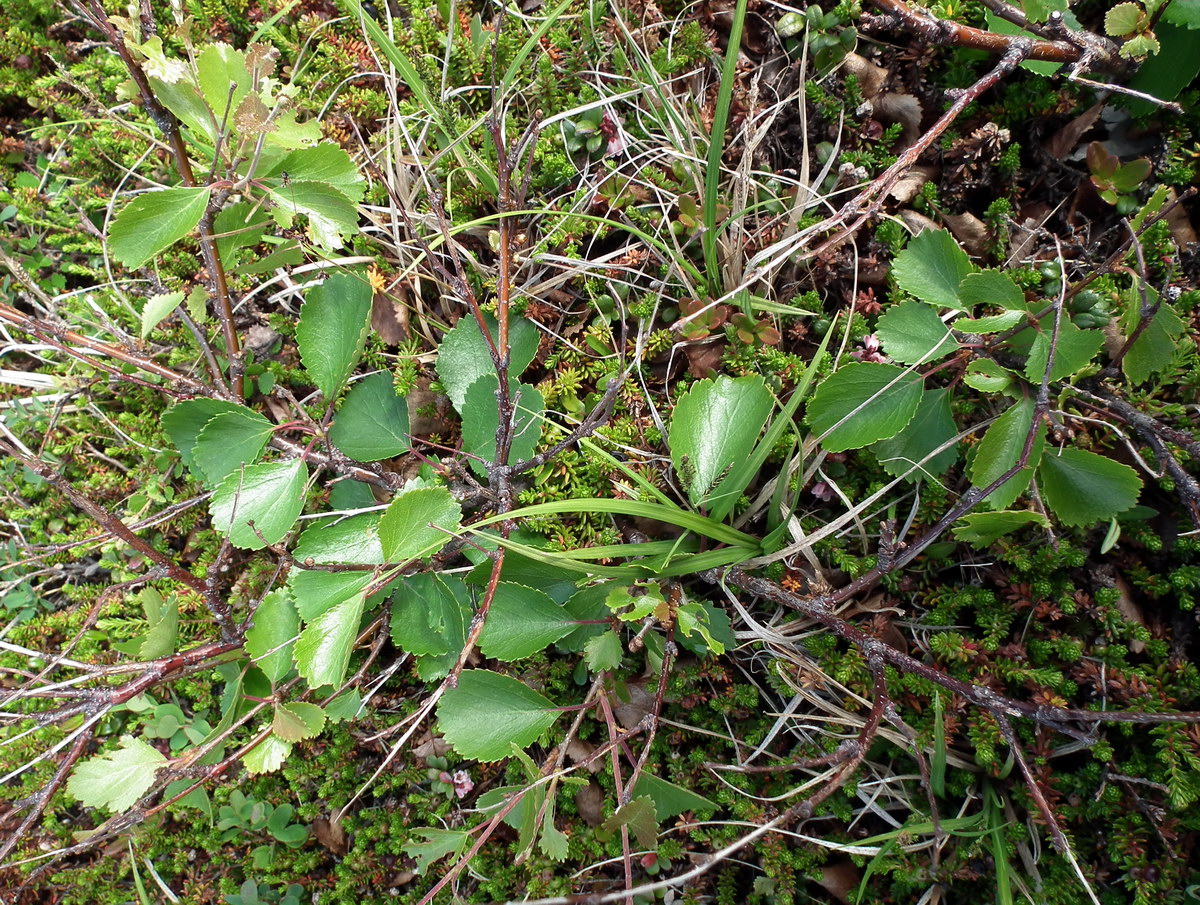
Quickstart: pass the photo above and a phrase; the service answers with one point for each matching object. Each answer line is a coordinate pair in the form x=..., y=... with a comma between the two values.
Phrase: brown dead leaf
x=1066, y=139
x=389, y=319
x=640, y=702
x=578, y=751
x=970, y=231
x=912, y=182
x=1129, y=608
x=840, y=880
x=430, y=746
x=590, y=803
x=704, y=357
x=903, y=109
x=331, y=835
x=1182, y=230
x=871, y=77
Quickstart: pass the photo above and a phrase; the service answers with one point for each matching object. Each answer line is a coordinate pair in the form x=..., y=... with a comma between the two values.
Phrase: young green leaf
x=522, y=622
x=157, y=308
x=267, y=756
x=332, y=217
x=333, y=327
x=933, y=425
x=669, y=799
x=323, y=650
x=931, y=268
x=464, y=355
x=118, y=779
x=184, y=421
x=1001, y=448
x=603, y=652
x=269, y=641
x=487, y=713
x=715, y=425
x=346, y=706
x=297, y=721
x=326, y=163
x=987, y=376
x=1074, y=350
x=553, y=842
x=317, y=591
x=997, y=323
x=162, y=632
x=418, y=523
x=270, y=496
x=692, y=619
x=980, y=529
x=481, y=418
x=230, y=440
x=912, y=333
x=155, y=221
x=437, y=845
x=990, y=287
x=863, y=402
x=1082, y=488
x=372, y=423
x=223, y=78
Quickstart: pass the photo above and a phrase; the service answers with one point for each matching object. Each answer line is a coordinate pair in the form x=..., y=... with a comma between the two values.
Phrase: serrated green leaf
x=669, y=799
x=521, y=622
x=326, y=163
x=1001, y=448
x=1154, y=349
x=353, y=539
x=184, y=421
x=464, y=356
x=639, y=815
x=980, y=529
x=334, y=320
x=116, y=780
x=418, y=523
x=437, y=845
x=1141, y=45
x=269, y=641
x=332, y=217
x=1076, y=348
x=932, y=426
x=158, y=308
x=863, y=402
x=317, y=591
x=372, y=423
x=1122, y=19
x=996, y=323
x=988, y=377
x=692, y=619
x=269, y=495
x=990, y=287
x=346, y=706
x=267, y=756
x=714, y=426
x=931, y=268
x=162, y=632
x=553, y=843
x=912, y=333
x=430, y=614
x=297, y=721
x=223, y=78
x=1082, y=488
x=237, y=226
x=323, y=650
x=183, y=99
x=155, y=221
x=603, y=652
x=487, y=713
x=230, y=440
x=481, y=418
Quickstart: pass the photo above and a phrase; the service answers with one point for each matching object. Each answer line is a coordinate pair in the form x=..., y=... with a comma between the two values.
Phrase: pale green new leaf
x=980, y=529
x=487, y=713
x=521, y=622
x=603, y=652
x=155, y=221
x=223, y=78
x=332, y=330
x=269, y=641
x=931, y=268
x=269, y=495
x=230, y=440
x=932, y=426
x=297, y=721
x=464, y=355
x=1001, y=448
x=912, y=333
x=157, y=308
x=267, y=756
x=418, y=523
x=237, y=226
x=323, y=651
x=438, y=844
x=716, y=425
x=987, y=376
x=1082, y=488
x=118, y=779
x=372, y=423
x=481, y=418
x=326, y=163
x=863, y=402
